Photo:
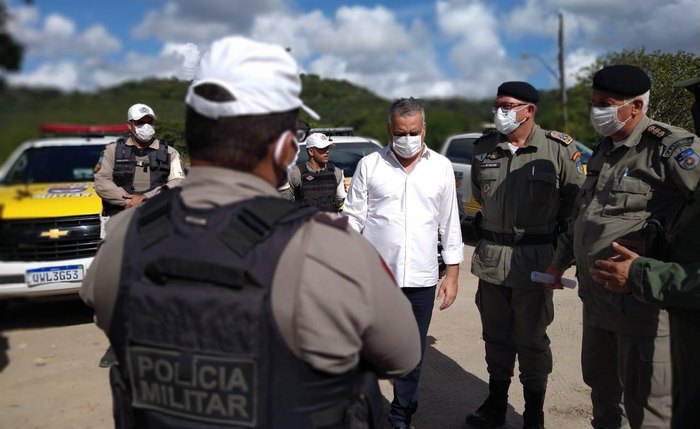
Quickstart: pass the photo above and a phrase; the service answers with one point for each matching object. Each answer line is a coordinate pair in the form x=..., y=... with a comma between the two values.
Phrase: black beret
x=622, y=79
x=520, y=90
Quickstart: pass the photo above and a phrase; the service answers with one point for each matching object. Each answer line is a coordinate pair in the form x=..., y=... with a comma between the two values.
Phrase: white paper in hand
x=540, y=277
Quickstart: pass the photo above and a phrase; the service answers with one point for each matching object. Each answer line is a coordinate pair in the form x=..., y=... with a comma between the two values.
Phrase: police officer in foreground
x=215, y=311
x=526, y=180
x=639, y=178
x=136, y=168
x=317, y=182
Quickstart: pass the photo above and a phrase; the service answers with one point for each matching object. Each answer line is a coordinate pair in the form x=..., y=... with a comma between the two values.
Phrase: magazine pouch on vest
x=125, y=166
x=318, y=188
x=193, y=328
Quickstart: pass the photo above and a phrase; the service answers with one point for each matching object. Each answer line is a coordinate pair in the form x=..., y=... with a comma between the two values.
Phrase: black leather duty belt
x=506, y=239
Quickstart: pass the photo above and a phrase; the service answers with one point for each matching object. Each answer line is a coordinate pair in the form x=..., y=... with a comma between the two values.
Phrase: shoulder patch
x=332, y=219
x=688, y=141
x=99, y=162
x=657, y=131
x=687, y=159
x=562, y=138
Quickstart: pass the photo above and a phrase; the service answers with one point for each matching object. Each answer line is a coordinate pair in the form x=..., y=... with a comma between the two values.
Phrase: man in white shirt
x=400, y=198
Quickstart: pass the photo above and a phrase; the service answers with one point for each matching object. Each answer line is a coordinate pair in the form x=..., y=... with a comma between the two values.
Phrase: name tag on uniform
x=489, y=165
x=198, y=387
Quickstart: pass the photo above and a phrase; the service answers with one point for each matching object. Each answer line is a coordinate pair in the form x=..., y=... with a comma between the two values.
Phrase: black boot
x=533, y=417
x=492, y=413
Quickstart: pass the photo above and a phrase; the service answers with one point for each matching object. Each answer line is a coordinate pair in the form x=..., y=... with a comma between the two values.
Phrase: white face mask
x=278, y=153
x=604, y=119
x=407, y=146
x=505, y=120
x=144, y=132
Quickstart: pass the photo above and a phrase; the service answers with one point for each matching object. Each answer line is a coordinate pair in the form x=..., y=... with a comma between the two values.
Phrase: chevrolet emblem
x=54, y=234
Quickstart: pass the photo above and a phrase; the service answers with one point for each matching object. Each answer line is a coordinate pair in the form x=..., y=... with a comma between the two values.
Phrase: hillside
x=340, y=103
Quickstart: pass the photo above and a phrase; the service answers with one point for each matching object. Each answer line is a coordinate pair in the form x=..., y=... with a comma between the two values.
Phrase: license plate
x=65, y=273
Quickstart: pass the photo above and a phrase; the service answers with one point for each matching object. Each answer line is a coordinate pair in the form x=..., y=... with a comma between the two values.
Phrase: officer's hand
x=556, y=271
x=133, y=200
x=614, y=272
x=447, y=291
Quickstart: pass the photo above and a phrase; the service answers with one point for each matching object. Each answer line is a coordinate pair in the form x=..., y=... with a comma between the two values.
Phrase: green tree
x=10, y=50
x=667, y=103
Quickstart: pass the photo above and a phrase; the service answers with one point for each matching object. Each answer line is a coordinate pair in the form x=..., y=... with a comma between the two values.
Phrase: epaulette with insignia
x=562, y=138
x=657, y=131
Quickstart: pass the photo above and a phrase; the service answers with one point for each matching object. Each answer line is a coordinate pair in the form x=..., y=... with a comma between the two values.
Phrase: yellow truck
x=50, y=212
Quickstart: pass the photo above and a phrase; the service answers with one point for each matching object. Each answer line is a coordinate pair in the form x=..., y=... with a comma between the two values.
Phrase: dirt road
x=49, y=376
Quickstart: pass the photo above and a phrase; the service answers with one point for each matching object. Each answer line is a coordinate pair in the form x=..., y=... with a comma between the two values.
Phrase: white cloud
x=97, y=41
x=461, y=48
x=575, y=62
x=202, y=21
x=367, y=46
x=62, y=75
x=603, y=25
x=477, y=55
x=56, y=36
x=58, y=26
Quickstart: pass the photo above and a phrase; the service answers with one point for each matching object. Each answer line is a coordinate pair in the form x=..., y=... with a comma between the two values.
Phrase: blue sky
x=420, y=48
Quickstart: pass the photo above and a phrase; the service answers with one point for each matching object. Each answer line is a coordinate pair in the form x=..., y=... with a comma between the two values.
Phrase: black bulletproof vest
x=193, y=328
x=317, y=188
x=125, y=167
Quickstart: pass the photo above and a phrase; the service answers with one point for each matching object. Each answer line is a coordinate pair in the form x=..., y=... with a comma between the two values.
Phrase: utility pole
x=562, y=74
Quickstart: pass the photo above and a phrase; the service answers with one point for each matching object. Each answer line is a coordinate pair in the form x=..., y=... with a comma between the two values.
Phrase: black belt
x=507, y=239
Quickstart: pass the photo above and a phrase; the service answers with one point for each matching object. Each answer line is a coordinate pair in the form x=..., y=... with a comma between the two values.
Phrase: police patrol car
x=50, y=212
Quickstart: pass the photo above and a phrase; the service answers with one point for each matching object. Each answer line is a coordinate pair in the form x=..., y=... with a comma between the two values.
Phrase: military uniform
x=649, y=176
x=522, y=196
x=113, y=195
x=329, y=291
x=316, y=187
x=675, y=286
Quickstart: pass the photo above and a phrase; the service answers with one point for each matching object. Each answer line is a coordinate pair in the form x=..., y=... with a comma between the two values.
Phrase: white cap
x=138, y=111
x=318, y=140
x=262, y=77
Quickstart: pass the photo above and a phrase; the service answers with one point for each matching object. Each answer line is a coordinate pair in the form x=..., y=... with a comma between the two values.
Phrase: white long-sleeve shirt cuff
x=453, y=257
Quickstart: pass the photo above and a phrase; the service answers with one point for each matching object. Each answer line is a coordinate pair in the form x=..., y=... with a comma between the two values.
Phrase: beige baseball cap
x=318, y=140
x=138, y=111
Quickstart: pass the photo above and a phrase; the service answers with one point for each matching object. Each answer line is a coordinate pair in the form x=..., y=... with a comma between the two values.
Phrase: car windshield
x=54, y=164
x=460, y=150
x=344, y=155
